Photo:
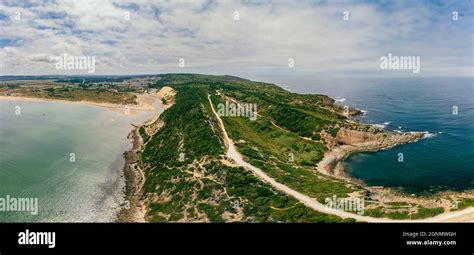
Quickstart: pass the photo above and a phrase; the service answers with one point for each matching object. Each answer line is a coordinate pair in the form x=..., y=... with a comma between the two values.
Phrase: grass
x=268, y=148
x=190, y=127
x=463, y=204
x=421, y=213
x=427, y=213
x=75, y=93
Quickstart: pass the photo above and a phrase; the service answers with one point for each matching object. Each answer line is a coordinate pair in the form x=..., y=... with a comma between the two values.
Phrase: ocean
x=442, y=106
x=67, y=156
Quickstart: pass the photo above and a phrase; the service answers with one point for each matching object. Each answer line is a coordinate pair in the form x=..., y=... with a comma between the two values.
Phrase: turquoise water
x=35, y=150
x=445, y=161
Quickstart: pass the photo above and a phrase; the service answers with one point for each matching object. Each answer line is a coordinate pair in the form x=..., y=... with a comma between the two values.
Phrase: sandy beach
x=145, y=103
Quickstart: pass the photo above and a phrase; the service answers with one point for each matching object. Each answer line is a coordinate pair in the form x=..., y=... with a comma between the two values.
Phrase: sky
x=250, y=38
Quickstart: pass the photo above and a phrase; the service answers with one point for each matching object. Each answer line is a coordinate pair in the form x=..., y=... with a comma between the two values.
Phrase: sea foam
x=383, y=125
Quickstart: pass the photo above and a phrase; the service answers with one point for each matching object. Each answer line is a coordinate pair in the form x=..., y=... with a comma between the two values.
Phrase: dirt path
x=233, y=154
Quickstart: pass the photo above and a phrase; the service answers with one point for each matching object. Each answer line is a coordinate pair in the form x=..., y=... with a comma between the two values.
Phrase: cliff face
x=326, y=100
x=348, y=137
x=352, y=137
x=349, y=141
x=369, y=140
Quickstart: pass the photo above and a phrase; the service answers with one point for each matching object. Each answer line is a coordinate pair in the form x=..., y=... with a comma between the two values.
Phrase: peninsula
x=279, y=160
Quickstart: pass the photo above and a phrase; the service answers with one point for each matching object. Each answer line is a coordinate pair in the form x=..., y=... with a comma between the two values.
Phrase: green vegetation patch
x=201, y=188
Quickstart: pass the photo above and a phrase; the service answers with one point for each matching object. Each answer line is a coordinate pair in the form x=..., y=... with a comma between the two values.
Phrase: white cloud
x=205, y=34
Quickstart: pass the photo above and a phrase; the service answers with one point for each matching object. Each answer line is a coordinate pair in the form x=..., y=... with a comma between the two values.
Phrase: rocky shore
x=348, y=141
x=134, y=209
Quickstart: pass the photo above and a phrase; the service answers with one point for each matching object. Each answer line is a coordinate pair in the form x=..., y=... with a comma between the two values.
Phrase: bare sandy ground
x=166, y=92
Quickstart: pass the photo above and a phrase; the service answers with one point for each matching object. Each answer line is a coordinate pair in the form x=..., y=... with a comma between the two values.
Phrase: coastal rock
x=351, y=137
x=326, y=100
x=370, y=140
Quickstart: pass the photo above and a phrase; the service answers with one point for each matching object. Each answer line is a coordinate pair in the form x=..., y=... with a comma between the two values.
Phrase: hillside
x=188, y=177
x=204, y=186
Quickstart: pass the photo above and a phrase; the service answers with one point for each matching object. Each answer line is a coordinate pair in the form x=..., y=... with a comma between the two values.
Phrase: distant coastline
x=144, y=104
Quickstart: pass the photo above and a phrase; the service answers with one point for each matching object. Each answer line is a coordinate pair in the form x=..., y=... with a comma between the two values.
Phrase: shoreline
x=332, y=165
x=332, y=159
x=134, y=208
